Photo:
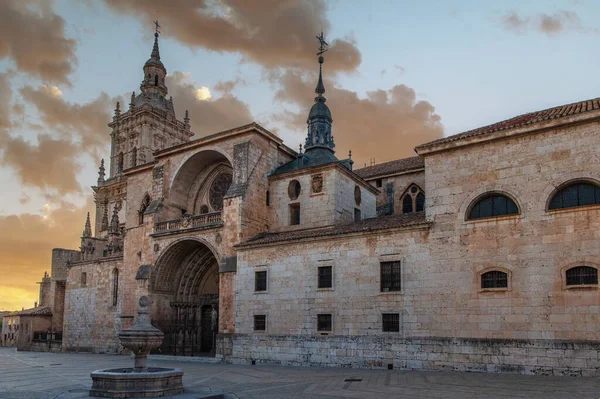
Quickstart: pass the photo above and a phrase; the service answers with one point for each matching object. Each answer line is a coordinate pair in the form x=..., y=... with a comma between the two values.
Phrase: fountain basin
x=128, y=383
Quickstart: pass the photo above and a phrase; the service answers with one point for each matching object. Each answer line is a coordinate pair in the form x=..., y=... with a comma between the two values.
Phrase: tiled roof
x=39, y=311
x=388, y=168
x=367, y=225
x=522, y=120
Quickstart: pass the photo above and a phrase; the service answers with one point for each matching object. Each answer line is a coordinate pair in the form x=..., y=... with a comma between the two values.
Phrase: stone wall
x=92, y=322
x=441, y=268
x=399, y=184
x=539, y=357
x=335, y=204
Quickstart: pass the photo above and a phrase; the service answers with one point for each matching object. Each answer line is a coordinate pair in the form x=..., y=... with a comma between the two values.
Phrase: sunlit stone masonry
x=480, y=253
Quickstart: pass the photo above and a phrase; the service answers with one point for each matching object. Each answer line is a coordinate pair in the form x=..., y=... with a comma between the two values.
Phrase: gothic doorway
x=185, y=298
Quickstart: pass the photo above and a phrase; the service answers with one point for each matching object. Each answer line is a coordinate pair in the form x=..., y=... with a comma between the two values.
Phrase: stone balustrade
x=188, y=222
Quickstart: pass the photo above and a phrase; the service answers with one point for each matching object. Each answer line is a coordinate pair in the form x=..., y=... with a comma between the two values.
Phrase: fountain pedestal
x=139, y=381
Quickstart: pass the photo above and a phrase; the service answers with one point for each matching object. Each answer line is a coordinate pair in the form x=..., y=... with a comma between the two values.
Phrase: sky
x=397, y=74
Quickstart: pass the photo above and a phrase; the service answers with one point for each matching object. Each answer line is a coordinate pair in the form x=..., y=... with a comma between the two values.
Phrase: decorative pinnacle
x=349, y=154
x=87, y=231
x=132, y=102
x=101, y=171
x=118, y=109
x=300, y=149
x=186, y=118
x=114, y=221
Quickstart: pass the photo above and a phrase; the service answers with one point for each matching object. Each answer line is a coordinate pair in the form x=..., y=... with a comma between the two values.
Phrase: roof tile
x=522, y=120
x=388, y=168
x=366, y=225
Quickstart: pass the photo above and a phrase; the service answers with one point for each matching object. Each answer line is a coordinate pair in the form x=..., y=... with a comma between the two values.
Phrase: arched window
x=413, y=200
x=133, y=157
x=115, y=287
x=494, y=279
x=493, y=205
x=155, y=80
x=575, y=194
x=120, y=162
x=143, y=207
x=203, y=209
x=268, y=198
x=582, y=275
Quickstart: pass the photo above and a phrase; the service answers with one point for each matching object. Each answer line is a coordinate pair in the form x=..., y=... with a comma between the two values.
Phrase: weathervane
x=157, y=27
x=322, y=44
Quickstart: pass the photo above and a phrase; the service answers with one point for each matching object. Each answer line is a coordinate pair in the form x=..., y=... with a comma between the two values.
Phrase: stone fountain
x=140, y=381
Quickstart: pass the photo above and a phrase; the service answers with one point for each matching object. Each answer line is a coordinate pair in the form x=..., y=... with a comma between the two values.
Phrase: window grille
x=260, y=281
x=582, y=275
x=294, y=214
x=325, y=277
x=260, y=322
x=576, y=194
x=494, y=279
x=390, y=322
x=493, y=205
x=390, y=276
x=324, y=322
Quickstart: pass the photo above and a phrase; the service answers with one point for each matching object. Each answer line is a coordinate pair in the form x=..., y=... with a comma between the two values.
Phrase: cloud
x=272, y=33
x=49, y=164
x=386, y=124
x=208, y=115
x=203, y=93
x=33, y=36
x=544, y=23
x=84, y=123
x=26, y=246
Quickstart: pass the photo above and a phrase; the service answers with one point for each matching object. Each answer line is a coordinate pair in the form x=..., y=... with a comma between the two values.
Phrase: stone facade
x=253, y=252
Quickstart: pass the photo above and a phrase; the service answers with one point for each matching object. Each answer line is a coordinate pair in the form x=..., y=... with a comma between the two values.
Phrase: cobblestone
x=35, y=375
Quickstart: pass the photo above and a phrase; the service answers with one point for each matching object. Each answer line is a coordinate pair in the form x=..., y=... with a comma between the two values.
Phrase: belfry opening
x=185, y=292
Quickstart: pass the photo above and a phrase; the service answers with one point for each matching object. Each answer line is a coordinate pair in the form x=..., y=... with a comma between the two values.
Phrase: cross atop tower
x=157, y=27
x=322, y=44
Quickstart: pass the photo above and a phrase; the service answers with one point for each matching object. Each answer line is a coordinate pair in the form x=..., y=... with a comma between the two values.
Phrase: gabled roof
x=373, y=224
x=521, y=120
x=392, y=167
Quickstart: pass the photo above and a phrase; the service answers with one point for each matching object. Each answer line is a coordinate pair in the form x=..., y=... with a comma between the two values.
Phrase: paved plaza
x=29, y=375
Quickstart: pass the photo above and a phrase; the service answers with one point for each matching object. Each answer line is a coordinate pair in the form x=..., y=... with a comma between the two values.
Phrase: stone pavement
x=34, y=375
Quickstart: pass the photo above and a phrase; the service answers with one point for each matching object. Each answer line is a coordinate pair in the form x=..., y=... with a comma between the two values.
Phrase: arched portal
x=185, y=291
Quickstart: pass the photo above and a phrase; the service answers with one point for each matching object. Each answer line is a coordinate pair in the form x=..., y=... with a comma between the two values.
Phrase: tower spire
x=319, y=119
x=155, y=52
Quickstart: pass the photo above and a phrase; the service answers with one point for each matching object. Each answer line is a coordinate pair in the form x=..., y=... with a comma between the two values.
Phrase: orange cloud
x=272, y=33
x=26, y=248
x=386, y=124
x=208, y=115
x=33, y=36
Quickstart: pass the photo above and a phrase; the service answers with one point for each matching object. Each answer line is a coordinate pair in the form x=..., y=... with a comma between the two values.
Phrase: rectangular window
x=294, y=214
x=324, y=322
x=378, y=183
x=260, y=322
x=260, y=281
x=390, y=322
x=390, y=276
x=357, y=215
x=325, y=277
x=83, y=279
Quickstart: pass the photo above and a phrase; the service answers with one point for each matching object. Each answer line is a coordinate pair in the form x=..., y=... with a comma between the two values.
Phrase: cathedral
x=480, y=253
